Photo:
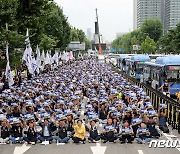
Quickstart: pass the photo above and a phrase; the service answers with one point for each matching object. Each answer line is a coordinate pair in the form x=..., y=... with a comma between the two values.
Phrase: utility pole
x=99, y=36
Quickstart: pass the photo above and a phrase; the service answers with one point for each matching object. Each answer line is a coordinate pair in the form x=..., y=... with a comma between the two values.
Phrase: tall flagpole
x=99, y=37
x=8, y=73
x=7, y=54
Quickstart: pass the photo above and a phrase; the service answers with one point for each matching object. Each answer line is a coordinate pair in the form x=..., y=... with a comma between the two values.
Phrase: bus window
x=157, y=76
x=173, y=74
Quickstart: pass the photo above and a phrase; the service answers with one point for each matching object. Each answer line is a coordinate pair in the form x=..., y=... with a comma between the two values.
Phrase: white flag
x=67, y=56
x=56, y=58
x=43, y=56
x=35, y=66
x=47, y=59
x=8, y=73
x=71, y=55
x=51, y=60
x=38, y=58
x=7, y=53
x=27, y=56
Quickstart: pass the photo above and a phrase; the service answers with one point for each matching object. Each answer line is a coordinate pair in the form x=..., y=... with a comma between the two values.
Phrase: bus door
x=146, y=74
x=155, y=78
x=128, y=67
x=138, y=68
x=132, y=69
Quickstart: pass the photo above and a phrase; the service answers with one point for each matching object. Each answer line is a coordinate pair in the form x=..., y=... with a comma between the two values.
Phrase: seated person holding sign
x=109, y=131
x=94, y=137
x=16, y=131
x=61, y=131
x=143, y=134
x=127, y=133
x=31, y=133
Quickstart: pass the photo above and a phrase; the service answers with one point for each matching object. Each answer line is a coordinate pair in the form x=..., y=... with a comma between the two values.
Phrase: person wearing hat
x=93, y=132
x=31, y=137
x=61, y=132
x=80, y=132
x=46, y=131
x=5, y=126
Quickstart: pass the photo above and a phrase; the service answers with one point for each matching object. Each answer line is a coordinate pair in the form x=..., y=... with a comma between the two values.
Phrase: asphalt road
x=71, y=148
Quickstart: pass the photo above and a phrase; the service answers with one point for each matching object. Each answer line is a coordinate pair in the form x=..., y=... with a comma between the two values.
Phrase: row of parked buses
x=153, y=69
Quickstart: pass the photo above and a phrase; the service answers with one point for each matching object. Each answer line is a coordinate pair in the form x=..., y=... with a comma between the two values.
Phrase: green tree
x=8, y=12
x=87, y=43
x=176, y=39
x=74, y=35
x=47, y=42
x=148, y=46
x=126, y=45
x=81, y=35
x=153, y=28
x=58, y=26
x=47, y=24
x=33, y=15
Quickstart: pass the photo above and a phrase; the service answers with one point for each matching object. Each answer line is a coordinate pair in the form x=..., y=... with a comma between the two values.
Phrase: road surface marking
x=98, y=149
x=21, y=149
x=140, y=152
x=82, y=112
x=169, y=138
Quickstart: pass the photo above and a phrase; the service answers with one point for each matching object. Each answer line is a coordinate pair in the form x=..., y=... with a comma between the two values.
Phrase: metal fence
x=173, y=107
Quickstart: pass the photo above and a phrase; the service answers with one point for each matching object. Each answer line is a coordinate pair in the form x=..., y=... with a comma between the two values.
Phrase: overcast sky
x=114, y=15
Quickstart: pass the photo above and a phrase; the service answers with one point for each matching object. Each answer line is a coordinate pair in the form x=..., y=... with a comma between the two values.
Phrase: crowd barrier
x=173, y=107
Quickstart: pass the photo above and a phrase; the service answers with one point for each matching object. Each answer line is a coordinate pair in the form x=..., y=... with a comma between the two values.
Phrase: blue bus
x=134, y=65
x=121, y=60
x=164, y=68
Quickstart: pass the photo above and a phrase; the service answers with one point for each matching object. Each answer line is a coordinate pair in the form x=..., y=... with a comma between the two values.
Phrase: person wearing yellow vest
x=133, y=74
x=119, y=95
x=80, y=132
x=178, y=96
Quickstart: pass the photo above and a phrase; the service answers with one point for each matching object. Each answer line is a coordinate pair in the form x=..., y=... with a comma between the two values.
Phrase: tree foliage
x=170, y=42
x=47, y=42
x=47, y=24
x=148, y=46
x=153, y=28
x=150, y=32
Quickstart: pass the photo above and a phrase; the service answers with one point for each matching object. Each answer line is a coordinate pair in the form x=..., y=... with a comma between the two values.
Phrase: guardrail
x=173, y=107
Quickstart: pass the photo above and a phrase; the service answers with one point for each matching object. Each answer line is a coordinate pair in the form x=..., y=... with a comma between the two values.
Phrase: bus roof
x=152, y=63
x=168, y=60
x=141, y=58
x=124, y=57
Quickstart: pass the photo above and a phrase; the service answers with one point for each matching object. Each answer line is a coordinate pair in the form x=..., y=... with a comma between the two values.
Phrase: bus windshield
x=173, y=75
x=139, y=68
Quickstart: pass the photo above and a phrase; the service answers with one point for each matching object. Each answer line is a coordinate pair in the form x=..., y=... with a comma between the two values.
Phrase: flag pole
x=8, y=73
